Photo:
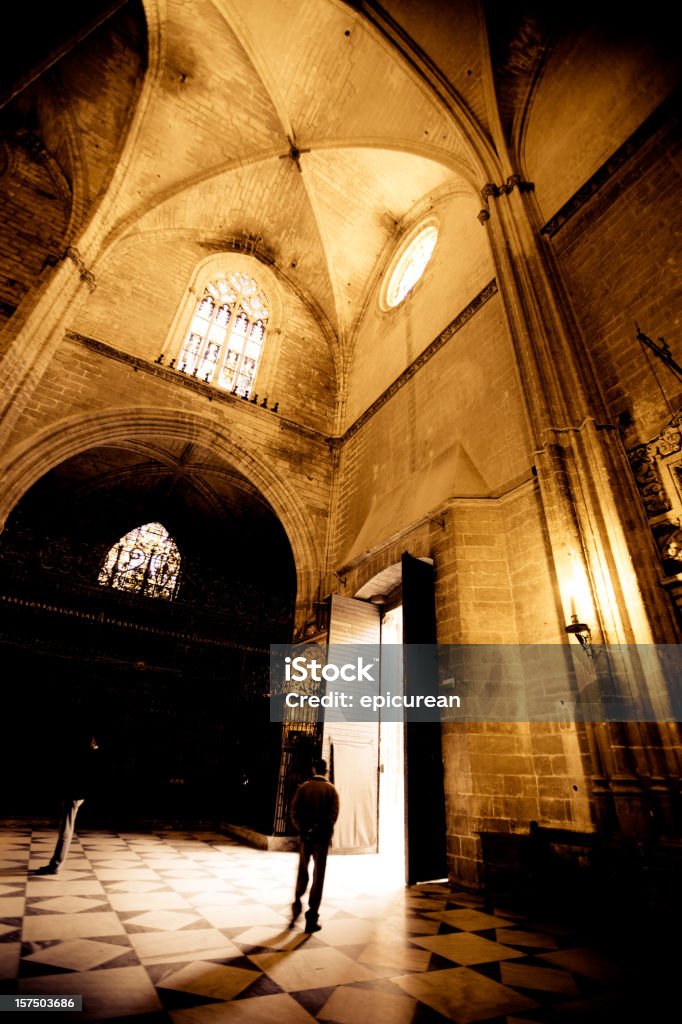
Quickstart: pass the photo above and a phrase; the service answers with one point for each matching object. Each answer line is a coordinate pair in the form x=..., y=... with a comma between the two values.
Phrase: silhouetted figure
x=314, y=810
x=80, y=773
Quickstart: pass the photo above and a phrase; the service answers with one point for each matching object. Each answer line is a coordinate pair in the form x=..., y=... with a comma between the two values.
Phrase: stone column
x=33, y=335
x=603, y=551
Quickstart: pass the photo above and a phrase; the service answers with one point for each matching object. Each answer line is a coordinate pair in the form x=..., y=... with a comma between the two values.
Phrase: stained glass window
x=145, y=561
x=411, y=265
x=225, y=338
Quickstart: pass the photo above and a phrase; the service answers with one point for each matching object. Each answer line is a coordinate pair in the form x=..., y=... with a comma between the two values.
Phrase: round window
x=410, y=265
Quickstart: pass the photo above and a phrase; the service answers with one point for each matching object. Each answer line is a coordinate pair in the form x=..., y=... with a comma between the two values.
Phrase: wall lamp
x=581, y=631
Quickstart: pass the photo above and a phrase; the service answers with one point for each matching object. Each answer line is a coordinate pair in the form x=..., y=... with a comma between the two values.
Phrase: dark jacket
x=315, y=808
x=81, y=773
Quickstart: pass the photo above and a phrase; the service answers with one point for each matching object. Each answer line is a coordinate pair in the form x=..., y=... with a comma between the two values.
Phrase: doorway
x=392, y=822
x=390, y=773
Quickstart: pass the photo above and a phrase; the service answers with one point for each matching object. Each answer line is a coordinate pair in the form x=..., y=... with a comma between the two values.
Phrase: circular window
x=410, y=265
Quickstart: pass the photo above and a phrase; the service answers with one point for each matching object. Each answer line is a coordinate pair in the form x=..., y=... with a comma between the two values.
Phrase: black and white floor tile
x=192, y=928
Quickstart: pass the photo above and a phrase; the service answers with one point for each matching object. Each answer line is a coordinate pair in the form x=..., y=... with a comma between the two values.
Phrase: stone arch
x=594, y=87
x=29, y=461
x=381, y=583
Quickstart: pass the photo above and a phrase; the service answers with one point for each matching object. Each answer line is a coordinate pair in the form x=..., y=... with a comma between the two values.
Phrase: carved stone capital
x=72, y=253
x=491, y=189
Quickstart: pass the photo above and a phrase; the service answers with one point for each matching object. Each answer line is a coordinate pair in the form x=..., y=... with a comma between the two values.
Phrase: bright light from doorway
x=392, y=772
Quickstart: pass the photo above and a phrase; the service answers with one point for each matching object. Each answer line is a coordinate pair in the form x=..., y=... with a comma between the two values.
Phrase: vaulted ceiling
x=297, y=129
x=293, y=127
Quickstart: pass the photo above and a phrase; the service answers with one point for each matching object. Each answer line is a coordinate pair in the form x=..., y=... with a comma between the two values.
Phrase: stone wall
x=617, y=246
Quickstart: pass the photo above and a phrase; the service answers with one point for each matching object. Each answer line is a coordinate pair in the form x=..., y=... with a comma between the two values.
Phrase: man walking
x=314, y=810
x=79, y=777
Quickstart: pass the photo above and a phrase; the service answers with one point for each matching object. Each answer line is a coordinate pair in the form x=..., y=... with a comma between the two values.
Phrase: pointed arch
x=29, y=461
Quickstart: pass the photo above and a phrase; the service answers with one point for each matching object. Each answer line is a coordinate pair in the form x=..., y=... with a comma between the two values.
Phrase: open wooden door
x=352, y=747
x=425, y=795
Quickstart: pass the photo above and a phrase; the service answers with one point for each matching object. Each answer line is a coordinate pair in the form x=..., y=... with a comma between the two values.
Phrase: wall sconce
x=581, y=631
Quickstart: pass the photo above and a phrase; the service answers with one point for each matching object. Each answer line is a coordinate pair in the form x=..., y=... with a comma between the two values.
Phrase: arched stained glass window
x=225, y=339
x=410, y=265
x=145, y=561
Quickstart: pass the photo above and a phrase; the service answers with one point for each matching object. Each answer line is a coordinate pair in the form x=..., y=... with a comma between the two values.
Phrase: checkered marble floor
x=193, y=927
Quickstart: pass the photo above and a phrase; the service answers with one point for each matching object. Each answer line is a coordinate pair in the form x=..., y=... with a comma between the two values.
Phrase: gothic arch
x=48, y=448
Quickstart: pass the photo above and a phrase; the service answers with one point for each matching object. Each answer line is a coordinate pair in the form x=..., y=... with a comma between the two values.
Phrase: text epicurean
x=375, y=702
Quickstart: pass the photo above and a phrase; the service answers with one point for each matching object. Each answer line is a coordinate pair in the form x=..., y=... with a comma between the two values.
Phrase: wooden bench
x=544, y=867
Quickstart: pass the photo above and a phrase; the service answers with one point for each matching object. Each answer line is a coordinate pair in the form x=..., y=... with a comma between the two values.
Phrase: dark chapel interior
x=175, y=691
